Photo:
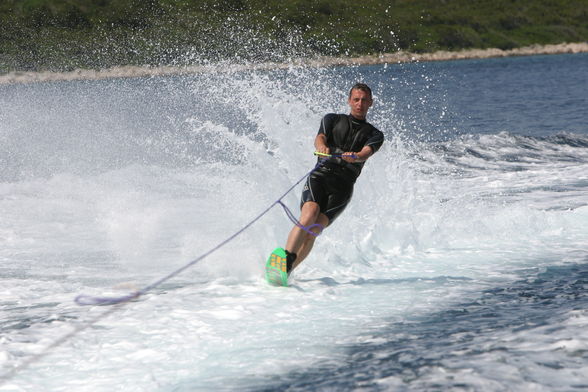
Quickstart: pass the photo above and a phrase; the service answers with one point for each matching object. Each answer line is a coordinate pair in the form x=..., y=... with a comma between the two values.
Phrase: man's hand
x=350, y=157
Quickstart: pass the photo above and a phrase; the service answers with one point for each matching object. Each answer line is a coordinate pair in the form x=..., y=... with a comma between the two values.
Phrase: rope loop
x=308, y=229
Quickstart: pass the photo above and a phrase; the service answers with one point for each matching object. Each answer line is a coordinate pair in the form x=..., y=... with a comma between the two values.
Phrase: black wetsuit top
x=345, y=133
x=331, y=185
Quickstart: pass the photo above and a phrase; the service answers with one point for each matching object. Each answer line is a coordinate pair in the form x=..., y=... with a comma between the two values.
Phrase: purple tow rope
x=83, y=299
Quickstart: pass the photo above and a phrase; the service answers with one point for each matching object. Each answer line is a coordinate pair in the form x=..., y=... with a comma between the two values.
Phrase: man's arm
x=358, y=157
x=320, y=144
x=372, y=145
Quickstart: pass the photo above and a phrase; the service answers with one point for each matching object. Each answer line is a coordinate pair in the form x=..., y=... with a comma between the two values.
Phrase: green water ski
x=276, y=268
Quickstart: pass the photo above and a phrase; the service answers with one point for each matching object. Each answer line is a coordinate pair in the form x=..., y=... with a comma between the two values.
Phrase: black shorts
x=331, y=192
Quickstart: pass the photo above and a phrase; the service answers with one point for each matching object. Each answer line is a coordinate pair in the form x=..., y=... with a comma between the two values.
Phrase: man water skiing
x=328, y=189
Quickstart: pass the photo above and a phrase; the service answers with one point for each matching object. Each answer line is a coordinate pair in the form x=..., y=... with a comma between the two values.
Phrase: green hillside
x=68, y=34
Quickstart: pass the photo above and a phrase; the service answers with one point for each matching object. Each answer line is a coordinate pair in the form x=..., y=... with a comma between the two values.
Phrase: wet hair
x=363, y=87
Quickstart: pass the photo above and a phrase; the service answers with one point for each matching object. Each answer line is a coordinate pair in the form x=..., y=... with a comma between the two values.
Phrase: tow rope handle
x=323, y=155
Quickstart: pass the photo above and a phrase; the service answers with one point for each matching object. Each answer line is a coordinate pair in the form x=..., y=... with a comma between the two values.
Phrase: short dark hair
x=363, y=87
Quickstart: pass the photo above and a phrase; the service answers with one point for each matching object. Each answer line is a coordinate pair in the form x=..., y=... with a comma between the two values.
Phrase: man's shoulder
x=374, y=129
x=371, y=126
x=332, y=116
x=329, y=120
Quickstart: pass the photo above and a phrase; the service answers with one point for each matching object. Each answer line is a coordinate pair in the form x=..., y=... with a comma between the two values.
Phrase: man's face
x=359, y=102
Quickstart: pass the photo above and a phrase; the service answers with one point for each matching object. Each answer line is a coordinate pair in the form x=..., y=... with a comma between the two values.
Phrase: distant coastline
x=390, y=58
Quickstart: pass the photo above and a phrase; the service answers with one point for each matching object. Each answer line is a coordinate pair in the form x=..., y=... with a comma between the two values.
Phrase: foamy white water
x=461, y=262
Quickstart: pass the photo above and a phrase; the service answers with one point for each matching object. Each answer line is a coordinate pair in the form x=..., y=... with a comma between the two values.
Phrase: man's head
x=360, y=100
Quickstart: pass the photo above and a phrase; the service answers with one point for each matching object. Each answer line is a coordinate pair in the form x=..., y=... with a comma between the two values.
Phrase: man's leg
x=309, y=240
x=299, y=241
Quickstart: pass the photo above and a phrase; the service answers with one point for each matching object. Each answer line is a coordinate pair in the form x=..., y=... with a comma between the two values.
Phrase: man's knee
x=310, y=213
x=318, y=225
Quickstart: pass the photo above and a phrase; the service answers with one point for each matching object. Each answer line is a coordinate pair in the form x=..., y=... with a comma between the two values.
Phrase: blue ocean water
x=461, y=263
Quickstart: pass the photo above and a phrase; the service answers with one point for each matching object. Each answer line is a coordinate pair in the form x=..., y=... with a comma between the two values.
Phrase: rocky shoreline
x=390, y=58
